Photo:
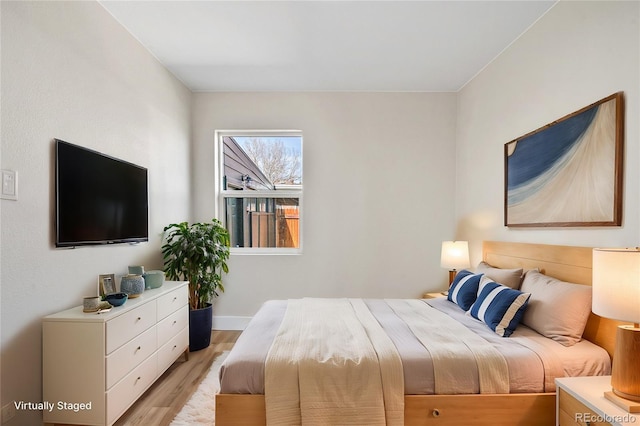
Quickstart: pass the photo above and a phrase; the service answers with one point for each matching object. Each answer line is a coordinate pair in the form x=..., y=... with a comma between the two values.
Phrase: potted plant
x=197, y=253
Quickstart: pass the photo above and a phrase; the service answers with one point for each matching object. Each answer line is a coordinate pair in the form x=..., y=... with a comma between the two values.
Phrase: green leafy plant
x=197, y=253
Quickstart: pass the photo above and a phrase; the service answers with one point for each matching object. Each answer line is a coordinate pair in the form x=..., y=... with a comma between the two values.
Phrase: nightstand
x=435, y=295
x=580, y=401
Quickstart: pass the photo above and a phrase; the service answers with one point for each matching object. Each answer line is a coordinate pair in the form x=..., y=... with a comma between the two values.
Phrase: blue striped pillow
x=464, y=289
x=498, y=306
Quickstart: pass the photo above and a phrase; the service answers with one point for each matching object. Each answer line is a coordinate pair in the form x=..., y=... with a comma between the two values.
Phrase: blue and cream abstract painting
x=564, y=173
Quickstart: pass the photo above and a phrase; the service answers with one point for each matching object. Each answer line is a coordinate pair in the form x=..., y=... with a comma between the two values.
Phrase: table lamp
x=454, y=256
x=616, y=295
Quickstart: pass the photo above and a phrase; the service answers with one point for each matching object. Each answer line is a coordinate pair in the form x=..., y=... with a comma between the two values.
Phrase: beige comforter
x=332, y=363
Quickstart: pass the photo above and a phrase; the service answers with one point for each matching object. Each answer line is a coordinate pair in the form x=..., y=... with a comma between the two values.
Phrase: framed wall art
x=569, y=172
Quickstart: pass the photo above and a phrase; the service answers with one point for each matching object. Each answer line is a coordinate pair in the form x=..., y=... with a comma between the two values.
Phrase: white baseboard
x=230, y=323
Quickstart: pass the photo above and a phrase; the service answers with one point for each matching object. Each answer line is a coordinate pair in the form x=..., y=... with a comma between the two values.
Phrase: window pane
x=263, y=221
x=262, y=162
x=267, y=168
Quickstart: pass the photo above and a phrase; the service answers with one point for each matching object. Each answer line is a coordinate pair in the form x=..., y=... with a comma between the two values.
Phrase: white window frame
x=222, y=195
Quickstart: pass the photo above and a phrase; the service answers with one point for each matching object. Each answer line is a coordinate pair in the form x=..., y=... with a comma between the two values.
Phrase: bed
x=242, y=403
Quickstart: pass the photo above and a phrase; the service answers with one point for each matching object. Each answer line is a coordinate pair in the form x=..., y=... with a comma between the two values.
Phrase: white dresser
x=95, y=366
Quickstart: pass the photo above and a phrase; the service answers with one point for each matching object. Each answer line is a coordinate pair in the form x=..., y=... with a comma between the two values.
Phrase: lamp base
x=625, y=371
x=626, y=404
x=452, y=276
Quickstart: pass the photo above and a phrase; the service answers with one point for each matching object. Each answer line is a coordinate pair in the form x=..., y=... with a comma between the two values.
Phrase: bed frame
x=568, y=263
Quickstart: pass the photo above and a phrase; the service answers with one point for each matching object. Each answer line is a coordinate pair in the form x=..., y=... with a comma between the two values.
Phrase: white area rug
x=200, y=410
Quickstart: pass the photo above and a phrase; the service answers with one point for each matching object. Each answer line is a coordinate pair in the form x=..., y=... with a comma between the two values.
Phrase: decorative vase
x=132, y=284
x=137, y=270
x=153, y=279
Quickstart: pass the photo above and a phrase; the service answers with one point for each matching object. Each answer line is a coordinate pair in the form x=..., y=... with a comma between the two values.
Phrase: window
x=260, y=189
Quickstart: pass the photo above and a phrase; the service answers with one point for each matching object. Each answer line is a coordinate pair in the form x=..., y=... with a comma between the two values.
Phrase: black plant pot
x=200, y=324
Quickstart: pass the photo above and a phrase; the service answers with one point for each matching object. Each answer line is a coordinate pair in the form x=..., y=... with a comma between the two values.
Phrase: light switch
x=9, y=185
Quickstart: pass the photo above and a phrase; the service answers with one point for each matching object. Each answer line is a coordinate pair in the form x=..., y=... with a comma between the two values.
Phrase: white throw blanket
x=331, y=363
x=457, y=352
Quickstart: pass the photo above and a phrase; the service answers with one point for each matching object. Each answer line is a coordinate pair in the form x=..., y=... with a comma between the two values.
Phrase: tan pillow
x=557, y=309
x=508, y=277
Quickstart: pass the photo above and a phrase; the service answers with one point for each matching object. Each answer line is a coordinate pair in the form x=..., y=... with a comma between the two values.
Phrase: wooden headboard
x=567, y=263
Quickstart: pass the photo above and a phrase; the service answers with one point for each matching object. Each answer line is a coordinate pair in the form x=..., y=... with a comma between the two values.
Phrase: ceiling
x=424, y=46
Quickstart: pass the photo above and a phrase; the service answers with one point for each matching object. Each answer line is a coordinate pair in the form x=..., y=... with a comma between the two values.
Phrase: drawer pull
x=138, y=348
x=436, y=412
x=175, y=298
x=138, y=379
x=139, y=318
x=175, y=322
x=175, y=346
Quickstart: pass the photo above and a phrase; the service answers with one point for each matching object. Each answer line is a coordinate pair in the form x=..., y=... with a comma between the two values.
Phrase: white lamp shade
x=616, y=283
x=454, y=255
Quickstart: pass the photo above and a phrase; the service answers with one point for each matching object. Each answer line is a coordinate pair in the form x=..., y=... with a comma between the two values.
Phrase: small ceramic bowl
x=116, y=299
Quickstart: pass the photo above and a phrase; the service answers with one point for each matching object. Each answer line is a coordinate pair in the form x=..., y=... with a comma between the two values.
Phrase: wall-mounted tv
x=99, y=199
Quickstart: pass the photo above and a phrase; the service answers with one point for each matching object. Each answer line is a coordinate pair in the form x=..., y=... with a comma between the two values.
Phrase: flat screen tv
x=99, y=199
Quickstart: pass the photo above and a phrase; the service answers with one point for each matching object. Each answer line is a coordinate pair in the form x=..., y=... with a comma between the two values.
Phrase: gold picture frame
x=106, y=284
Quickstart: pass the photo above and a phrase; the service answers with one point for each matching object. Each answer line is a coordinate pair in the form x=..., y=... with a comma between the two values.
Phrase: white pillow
x=557, y=309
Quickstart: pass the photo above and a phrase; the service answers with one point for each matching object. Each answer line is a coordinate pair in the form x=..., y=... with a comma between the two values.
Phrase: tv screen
x=99, y=199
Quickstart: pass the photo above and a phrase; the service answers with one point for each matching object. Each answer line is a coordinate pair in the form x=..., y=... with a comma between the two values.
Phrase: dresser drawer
x=130, y=355
x=574, y=413
x=128, y=325
x=170, y=326
x=123, y=394
x=172, y=350
x=172, y=301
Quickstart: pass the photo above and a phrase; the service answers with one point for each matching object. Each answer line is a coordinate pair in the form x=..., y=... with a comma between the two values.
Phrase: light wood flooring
x=164, y=399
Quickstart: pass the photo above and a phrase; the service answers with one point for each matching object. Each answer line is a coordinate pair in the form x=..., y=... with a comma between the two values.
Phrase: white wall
x=578, y=53
x=378, y=192
x=70, y=71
